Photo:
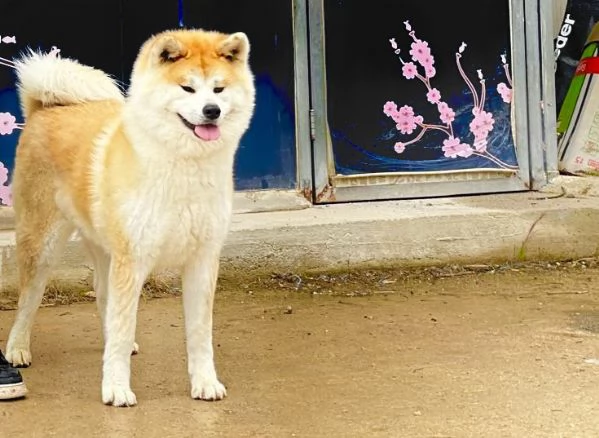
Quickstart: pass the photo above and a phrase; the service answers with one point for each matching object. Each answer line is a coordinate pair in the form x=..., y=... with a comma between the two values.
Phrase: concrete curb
x=556, y=225
x=443, y=231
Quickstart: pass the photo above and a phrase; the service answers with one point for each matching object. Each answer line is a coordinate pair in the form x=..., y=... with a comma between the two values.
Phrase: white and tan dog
x=147, y=180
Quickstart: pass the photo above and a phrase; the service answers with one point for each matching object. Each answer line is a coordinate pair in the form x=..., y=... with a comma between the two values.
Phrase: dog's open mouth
x=206, y=131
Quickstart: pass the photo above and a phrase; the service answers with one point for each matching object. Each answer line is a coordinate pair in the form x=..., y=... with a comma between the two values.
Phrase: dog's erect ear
x=168, y=49
x=235, y=48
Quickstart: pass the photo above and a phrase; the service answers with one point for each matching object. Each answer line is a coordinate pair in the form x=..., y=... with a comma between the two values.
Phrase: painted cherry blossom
x=446, y=114
x=399, y=147
x=5, y=192
x=409, y=70
x=433, y=95
x=390, y=108
x=421, y=67
x=430, y=71
x=8, y=123
x=405, y=111
x=427, y=61
x=421, y=52
x=504, y=90
x=452, y=147
x=406, y=120
x=482, y=124
x=6, y=196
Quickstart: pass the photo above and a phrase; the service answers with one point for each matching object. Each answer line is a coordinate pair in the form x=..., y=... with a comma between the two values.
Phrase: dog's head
x=194, y=85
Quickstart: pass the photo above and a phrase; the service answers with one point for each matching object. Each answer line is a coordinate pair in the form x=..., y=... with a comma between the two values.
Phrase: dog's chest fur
x=177, y=212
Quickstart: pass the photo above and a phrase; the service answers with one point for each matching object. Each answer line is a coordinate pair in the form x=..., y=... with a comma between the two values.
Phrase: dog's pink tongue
x=207, y=132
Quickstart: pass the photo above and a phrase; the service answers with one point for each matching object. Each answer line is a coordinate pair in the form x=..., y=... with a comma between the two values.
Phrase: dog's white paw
x=207, y=389
x=118, y=395
x=18, y=357
x=135, y=348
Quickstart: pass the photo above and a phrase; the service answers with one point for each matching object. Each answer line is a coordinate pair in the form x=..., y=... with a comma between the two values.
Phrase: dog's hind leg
x=39, y=239
x=101, y=262
x=125, y=280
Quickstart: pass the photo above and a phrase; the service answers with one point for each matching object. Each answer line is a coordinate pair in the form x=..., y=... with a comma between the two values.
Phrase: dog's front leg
x=199, y=284
x=124, y=287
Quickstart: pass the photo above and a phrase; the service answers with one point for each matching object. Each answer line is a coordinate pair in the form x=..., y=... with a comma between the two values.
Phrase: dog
x=146, y=180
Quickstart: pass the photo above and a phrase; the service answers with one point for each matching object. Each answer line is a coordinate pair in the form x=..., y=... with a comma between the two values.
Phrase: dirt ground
x=481, y=351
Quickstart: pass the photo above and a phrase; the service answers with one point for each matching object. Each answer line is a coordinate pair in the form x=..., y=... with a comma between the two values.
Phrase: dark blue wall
x=108, y=33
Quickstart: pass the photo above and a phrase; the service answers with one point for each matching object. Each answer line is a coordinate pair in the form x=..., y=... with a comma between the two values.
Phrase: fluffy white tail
x=46, y=80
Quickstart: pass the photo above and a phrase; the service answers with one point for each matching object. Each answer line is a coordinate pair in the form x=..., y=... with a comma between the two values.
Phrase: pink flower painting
x=421, y=66
x=409, y=70
x=452, y=147
x=433, y=96
x=5, y=192
x=8, y=126
x=8, y=123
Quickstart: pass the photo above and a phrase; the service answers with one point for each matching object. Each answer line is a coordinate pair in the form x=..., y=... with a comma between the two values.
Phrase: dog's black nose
x=211, y=112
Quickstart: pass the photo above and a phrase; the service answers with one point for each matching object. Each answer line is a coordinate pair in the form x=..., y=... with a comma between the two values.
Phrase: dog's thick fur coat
x=146, y=180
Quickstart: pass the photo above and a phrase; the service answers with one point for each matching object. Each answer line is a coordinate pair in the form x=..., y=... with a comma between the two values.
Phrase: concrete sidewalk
x=562, y=222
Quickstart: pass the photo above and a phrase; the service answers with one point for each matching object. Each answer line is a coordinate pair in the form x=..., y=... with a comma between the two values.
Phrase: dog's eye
x=218, y=89
x=188, y=89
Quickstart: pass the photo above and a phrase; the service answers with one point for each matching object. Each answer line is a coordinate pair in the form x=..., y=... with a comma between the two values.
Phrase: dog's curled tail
x=46, y=80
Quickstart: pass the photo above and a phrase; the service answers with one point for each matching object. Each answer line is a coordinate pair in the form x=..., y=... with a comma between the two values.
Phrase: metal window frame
x=250, y=201
x=303, y=127
x=533, y=119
